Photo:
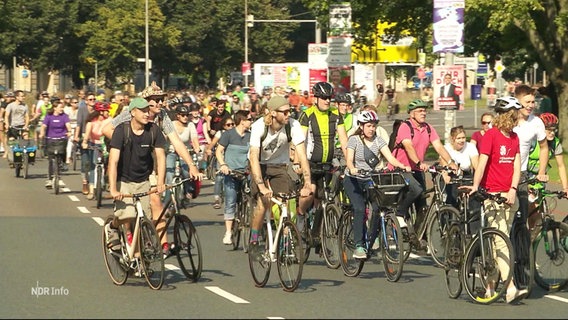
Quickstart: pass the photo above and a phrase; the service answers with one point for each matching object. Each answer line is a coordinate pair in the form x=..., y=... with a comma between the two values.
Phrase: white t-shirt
x=275, y=149
x=529, y=132
x=463, y=156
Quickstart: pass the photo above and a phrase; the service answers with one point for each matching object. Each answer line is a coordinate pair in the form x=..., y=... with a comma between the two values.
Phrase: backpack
x=396, y=124
x=128, y=140
x=287, y=127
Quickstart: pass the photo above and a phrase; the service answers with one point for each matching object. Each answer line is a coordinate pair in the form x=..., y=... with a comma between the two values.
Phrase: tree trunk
x=562, y=91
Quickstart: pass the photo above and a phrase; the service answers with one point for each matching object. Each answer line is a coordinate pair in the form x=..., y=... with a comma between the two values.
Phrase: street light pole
x=147, y=50
x=246, y=41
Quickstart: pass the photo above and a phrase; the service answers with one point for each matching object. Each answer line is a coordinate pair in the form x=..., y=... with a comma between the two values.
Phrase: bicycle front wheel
x=548, y=257
x=55, y=175
x=99, y=186
x=260, y=262
x=289, y=256
x=455, y=243
x=189, y=253
x=484, y=260
x=26, y=166
x=117, y=271
x=329, y=236
x=245, y=223
x=351, y=267
x=437, y=228
x=392, y=248
x=152, y=258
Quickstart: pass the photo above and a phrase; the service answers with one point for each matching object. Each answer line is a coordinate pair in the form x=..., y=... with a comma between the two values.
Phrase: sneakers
x=514, y=295
x=227, y=238
x=401, y=222
x=360, y=253
x=217, y=204
x=91, y=194
x=112, y=240
x=376, y=244
x=166, y=250
x=255, y=251
x=49, y=184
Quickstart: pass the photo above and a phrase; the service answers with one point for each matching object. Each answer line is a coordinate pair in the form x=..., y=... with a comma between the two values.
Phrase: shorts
x=125, y=209
x=278, y=178
x=13, y=133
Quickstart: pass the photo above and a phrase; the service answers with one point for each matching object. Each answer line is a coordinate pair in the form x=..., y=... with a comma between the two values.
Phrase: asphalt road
x=54, y=242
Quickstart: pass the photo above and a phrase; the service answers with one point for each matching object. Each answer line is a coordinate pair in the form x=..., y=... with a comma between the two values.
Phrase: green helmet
x=415, y=104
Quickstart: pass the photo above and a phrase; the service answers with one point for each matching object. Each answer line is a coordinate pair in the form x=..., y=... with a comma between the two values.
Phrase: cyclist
x=410, y=148
x=56, y=128
x=499, y=171
x=17, y=116
x=201, y=126
x=86, y=107
x=364, y=148
x=320, y=125
x=345, y=109
x=232, y=154
x=270, y=158
x=216, y=116
x=228, y=123
x=155, y=97
x=92, y=138
x=486, y=119
x=130, y=165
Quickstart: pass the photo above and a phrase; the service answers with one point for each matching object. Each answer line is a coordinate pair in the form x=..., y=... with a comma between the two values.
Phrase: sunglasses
x=229, y=124
x=157, y=100
x=183, y=115
x=485, y=122
x=284, y=112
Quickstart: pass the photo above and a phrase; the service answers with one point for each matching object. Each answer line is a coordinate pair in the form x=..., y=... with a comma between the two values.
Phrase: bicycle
x=322, y=223
x=385, y=188
x=186, y=245
x=76, y=154
x=99, y=179
x=480, y=272
x=143, y=257
x=282, y=246
x=242, y=222
x=21, y=154
x=549, y=247
x=56, y=151
x=432, y=218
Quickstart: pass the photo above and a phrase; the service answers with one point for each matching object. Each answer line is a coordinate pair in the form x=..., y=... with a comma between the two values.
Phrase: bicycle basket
x=389, y=187
x=56, y=145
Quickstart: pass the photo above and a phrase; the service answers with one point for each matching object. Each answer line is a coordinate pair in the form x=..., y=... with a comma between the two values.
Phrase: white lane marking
x=275, y=318
x=66, y=190
x=556, y=298
x=99, y=221
x=226, y=295
x=83, y=209
x=73, y=198
x=173, y=268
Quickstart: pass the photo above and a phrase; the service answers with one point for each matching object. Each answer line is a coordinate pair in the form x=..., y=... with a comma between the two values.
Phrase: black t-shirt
x=217, y=119
x=136, y=162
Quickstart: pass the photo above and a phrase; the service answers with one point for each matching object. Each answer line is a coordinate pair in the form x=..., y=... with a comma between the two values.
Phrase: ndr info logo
x=49, y=291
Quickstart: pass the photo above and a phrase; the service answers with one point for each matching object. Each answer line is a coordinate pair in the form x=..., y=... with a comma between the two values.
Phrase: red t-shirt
x=477, y=137
x=501, y=151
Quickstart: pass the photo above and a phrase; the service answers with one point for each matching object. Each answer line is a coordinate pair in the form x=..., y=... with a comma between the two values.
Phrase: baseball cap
x=276, y=102
x=137, y=103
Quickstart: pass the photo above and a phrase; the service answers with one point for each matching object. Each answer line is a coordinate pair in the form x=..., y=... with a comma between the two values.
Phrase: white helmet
x=367, y=116
x=505, y=104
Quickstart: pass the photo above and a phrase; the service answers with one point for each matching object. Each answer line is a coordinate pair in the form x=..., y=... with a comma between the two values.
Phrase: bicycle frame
x=283, y=216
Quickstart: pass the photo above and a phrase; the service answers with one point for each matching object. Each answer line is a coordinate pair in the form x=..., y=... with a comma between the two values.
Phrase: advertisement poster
x=448, y=26
x=293, y=75
x=340, y=79
x=340, y=19
x=317, y=75
x=448, y=87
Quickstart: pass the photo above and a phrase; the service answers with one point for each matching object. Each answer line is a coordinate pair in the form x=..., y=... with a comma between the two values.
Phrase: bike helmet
x=344, y=97
x=367, y=116
x=549, y=119
x=182, y=109
x=102, y=106
x=417, y=103
x=505, y=104
x=194, y=106
x=323, y=90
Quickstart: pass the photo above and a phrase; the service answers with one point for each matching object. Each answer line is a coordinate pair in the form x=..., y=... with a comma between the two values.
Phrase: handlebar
x=149, y=192
x=481, y=194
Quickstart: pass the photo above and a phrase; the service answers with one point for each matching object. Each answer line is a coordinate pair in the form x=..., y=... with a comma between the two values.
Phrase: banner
x=293, y=75
x=449, y=87
x=448, y=26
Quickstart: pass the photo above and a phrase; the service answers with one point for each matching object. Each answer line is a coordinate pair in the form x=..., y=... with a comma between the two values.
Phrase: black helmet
x=181, y=109
x=194, y=106
x=344, y=97
x=323, y=90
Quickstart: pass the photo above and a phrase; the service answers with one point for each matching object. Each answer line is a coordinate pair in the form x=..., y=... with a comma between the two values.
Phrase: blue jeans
x=231, y=187
x=355, y=189
x=171, y=158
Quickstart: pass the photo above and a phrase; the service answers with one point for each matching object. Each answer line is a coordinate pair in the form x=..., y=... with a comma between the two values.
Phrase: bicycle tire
x=351, y=267
x=307, y=239
x=189, y=253
x=236, y=228
x=289, y=256
x=55, y=164
x=246, y=224
x=476, y=275
x=26, y=166
x=436, y=231
x=117, y=271
x=550, y=270
x=392, y=248
x=151, y=256
x=453, y=256
x=211, y=168
x=329, y=236
x=520, y=238
x=99, y=186
x=18, y=168
x=74, y=155
x=260, y=268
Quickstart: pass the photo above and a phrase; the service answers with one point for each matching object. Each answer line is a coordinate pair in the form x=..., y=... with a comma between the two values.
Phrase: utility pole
x=449, y=115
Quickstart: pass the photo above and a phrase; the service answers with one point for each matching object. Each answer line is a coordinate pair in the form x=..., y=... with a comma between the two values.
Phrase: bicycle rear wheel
x=481, y=278
x=117, y=271
x=550, y=266
x=189, y=253
x=351, y=267
x=55, y=164
x=75, y=154
x=289, y=256
x=437, y=228
x=392, y=248
x=151, y=255
x=99, y=186
x=260, y=264
x=26, y=166
x=329, y=236
x=453, y=256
